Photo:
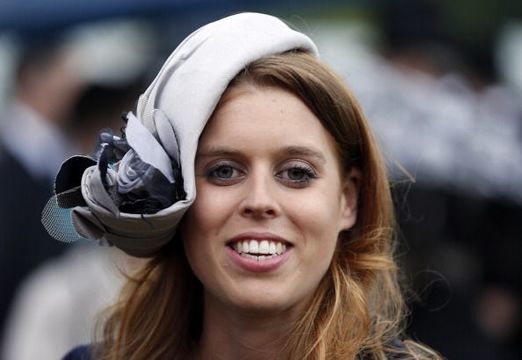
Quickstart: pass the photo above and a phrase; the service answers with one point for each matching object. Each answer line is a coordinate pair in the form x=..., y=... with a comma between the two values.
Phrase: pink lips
x=254, y=265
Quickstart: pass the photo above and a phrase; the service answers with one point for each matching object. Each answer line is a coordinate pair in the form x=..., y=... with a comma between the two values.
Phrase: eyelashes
x=297, y=174
x=293, y=173
x=225, y=173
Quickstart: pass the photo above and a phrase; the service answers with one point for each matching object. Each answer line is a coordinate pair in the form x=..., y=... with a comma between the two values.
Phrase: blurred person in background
x=56, y=306
x=69, y=86
x=33, y=143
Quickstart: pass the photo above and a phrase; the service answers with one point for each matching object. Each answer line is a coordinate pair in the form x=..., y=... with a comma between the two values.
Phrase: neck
x=230, y=334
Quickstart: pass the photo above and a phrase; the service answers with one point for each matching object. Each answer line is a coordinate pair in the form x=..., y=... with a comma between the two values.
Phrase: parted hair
x=356, y=312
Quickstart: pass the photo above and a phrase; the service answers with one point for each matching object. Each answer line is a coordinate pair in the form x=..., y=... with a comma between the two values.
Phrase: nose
x=260, y=199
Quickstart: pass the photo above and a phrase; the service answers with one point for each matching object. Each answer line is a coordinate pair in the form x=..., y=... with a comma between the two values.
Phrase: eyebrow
x=217, y=151
x=289, y=150
x=305, y=151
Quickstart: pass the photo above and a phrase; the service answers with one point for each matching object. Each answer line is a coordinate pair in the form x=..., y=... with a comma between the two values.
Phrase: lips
x=260, y=247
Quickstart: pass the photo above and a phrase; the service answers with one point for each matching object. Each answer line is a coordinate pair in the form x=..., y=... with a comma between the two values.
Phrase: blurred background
x=441, y=83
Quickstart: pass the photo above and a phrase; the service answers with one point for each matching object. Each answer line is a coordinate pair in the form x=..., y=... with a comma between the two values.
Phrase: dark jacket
x=24, y=243
x=83, y=352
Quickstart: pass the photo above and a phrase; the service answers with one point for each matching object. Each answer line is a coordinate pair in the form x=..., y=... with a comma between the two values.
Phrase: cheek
x=317, y=222
x=202, y=225
x=318, y=217
x=318, y=214
x=195, y=232
x=208, y=211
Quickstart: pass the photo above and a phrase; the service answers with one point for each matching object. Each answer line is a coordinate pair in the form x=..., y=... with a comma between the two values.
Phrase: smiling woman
x=278, y=185
x=286, y=252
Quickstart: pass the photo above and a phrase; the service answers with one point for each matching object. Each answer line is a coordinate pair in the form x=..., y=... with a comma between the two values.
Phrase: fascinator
x=135, y=192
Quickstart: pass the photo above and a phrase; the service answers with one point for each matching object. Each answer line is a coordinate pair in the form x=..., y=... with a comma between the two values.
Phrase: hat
x=136, y=193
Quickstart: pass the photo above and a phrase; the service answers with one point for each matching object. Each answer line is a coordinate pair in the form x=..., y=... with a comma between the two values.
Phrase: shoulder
x=83, y=352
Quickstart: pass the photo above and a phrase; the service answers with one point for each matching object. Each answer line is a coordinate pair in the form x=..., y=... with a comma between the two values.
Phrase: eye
x=297, y=174
x=224, y=173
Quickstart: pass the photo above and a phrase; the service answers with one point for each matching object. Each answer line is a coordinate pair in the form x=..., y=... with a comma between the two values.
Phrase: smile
x=259, y=250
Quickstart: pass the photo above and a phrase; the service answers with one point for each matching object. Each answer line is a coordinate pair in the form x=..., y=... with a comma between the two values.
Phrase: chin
x=257, y=301
x=261, y=306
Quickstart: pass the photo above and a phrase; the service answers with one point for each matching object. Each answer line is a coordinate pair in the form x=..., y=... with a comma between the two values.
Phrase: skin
x=264, y=165
x=51, y=89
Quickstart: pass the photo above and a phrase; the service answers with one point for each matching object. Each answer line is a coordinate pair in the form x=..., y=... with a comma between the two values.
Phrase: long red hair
x=357, y=310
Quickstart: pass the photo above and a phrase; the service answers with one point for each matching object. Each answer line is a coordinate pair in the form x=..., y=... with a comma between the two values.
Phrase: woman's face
x=271, y=201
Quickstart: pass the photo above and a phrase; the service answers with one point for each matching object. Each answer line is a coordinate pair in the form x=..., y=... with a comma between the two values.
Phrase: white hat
x=170, y=117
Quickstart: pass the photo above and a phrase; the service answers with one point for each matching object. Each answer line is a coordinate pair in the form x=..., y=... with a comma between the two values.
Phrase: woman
x=286, y=251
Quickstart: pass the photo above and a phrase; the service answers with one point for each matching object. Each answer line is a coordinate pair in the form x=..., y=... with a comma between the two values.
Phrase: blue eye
x=297, y=175
x=224, y=173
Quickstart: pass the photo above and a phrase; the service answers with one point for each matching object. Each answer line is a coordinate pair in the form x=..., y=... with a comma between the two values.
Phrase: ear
x=350, y=198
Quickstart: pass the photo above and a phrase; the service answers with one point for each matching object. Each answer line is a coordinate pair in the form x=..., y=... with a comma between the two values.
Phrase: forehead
x=252, y=116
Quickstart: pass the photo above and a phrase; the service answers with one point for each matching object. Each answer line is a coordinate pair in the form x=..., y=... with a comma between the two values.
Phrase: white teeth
x=273, y=248
x=253, y=247
x=258, y=258
x=264, y=248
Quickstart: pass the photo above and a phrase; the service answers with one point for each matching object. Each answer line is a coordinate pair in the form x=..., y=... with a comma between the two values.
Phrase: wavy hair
x=357, y=311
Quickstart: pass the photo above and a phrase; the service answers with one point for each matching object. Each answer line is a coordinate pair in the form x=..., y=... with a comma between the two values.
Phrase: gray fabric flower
x=141, y=187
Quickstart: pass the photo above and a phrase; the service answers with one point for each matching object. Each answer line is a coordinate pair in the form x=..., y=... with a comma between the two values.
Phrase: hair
x=357, y=311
